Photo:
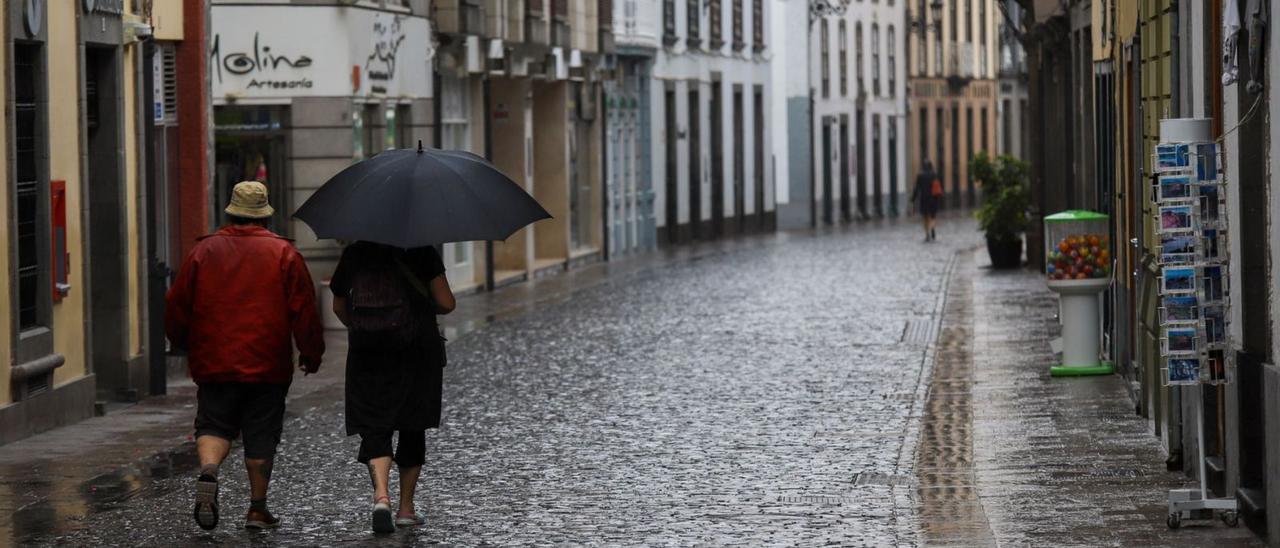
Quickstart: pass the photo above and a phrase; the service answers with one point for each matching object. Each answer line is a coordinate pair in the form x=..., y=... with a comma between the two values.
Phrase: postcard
x=1184, y=370
x=1173, y=218
x=1215, y=324
x=1179, y=280
x=1181, y=341
x=1175, y=187
x=1207, y=162
x=1177, y=248
x=1182, y=308
x=1213, y=281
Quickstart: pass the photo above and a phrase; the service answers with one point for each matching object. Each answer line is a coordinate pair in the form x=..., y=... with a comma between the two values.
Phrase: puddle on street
x=950, y=510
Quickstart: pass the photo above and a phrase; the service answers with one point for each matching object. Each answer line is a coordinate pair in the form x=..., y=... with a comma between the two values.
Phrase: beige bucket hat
x=249, y=200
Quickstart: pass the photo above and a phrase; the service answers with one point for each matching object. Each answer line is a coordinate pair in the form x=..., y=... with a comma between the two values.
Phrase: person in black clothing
x=396, y=387
x=926, y=197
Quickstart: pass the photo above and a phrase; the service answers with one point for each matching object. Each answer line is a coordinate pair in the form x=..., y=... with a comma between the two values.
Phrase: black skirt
x=394, y=389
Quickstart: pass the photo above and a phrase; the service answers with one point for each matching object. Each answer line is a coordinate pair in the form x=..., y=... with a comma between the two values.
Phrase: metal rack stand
x=1195, y=503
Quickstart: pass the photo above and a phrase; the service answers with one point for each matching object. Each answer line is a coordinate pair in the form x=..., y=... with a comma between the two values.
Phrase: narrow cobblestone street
x=784, y=392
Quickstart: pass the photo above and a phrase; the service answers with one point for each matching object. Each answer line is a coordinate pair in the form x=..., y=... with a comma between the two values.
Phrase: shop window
x=372, y=137
x=30, y=189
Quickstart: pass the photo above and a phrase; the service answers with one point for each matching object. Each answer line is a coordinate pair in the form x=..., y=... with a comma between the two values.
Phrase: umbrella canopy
x=412, y=198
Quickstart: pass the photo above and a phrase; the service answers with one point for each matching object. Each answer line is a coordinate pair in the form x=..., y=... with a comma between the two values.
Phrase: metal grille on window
x=167, y=83
x=875, y=60
x=27, y=184
x=757, y=24
x=843, y=38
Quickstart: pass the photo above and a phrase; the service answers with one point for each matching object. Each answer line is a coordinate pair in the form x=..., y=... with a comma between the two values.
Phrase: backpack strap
x=417, y=284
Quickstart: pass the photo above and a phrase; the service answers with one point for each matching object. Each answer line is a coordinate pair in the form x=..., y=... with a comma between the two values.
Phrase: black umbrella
x=412, y=198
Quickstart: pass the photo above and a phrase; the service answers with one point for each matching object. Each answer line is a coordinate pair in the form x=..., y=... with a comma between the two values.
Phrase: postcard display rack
x=1194, y=307
x=1078, y=268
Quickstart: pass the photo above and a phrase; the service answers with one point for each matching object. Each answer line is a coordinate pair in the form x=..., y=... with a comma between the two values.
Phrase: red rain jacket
x=239, y=297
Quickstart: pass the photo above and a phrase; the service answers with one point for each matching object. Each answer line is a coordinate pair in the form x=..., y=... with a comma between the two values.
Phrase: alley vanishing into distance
x=789, y=389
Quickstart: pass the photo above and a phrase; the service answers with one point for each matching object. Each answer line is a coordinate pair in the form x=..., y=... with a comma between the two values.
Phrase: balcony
x=960, y=67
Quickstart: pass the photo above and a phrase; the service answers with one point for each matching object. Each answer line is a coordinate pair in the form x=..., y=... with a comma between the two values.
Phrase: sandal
x=382, y=521
x=410, y=520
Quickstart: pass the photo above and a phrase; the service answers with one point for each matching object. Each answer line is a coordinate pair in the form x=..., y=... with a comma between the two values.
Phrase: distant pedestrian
x=240, y=297
x=388, y=298
x=927, y=195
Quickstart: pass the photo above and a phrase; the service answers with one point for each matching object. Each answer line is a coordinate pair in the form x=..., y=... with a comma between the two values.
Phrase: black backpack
x=380, y=306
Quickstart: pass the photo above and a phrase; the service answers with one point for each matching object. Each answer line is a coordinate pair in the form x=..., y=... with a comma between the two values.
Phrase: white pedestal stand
x=1185, y=503
x=1081, y=331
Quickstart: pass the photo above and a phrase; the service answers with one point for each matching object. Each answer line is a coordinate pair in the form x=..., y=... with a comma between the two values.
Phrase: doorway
x=827, y=200
x=739, y=162
x=107, y=268
x=672, y=185
x=717, y=159
x=845, y=214
x=860, y=152
x=695, y=164
x=758, y=105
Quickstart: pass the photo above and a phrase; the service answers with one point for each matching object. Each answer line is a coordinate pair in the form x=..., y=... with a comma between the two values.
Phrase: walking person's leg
x=411, y=452
x=375, y=452
x=263, y=426
x=217, y=423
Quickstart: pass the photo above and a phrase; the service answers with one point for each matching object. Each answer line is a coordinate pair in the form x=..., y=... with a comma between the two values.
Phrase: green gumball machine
x=1078, y=267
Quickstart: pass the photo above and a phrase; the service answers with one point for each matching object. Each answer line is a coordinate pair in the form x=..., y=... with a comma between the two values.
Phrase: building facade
x=520, y=85
x=710, y=103
x=76, y=117
x=953, y=55
x=300, y=92
x=792, y=113
x=630, y=220
x=1012, y=99
x=858, y=82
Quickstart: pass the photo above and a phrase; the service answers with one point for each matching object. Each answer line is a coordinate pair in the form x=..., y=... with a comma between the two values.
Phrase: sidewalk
x=52, y=481
x=1011, y=456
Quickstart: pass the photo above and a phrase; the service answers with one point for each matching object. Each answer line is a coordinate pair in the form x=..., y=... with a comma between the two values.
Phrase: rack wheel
x=1231, y=518
x=1175, y=520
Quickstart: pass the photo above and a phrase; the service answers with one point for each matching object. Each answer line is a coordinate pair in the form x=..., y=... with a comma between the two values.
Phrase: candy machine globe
x=1078, y=268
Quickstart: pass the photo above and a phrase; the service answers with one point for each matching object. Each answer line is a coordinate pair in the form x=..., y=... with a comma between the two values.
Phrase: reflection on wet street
x=791, y=389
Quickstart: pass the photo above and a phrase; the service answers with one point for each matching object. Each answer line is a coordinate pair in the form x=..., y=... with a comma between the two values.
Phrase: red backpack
x=937, y=191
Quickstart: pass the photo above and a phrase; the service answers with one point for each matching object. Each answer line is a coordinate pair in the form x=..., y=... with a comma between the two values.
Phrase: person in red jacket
x=241, y=300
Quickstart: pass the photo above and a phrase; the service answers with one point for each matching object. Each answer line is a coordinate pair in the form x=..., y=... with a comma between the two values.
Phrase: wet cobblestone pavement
x=785, y=390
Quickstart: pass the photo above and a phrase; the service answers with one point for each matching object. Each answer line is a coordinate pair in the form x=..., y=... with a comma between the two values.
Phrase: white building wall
x=682, y=69
x=889, y=107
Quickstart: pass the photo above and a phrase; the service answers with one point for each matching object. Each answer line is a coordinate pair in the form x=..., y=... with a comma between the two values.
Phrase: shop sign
x=312, y=51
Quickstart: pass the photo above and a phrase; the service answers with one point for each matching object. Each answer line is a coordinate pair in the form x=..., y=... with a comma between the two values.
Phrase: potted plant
x=1003, y=215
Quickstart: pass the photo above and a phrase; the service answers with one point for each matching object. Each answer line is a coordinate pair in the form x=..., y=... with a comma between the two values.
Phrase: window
x=937, y=54
x=825, y=59
x=893, y=64
x=692, y=15
x=392, y=129
x=738, y=43
x=968, y=20
x=717, y=30
x=982, y=22
x=757, y=24
x=875, y=59
x=939, y=131
x=844, y=60
x=858, y=57
x=669, y=21
x=30, y=190
x=922, y=63
x=955, y=21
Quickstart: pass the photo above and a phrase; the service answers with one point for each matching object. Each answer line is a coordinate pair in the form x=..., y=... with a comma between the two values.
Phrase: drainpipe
x=488, y=155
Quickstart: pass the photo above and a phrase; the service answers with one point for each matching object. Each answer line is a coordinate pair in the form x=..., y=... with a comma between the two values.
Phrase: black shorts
x=225, y=409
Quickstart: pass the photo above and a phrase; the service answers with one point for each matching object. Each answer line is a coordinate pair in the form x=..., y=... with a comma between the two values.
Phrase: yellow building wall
x=132, y=54
x=6, y=345
x=166, y=19
x=64, y=164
